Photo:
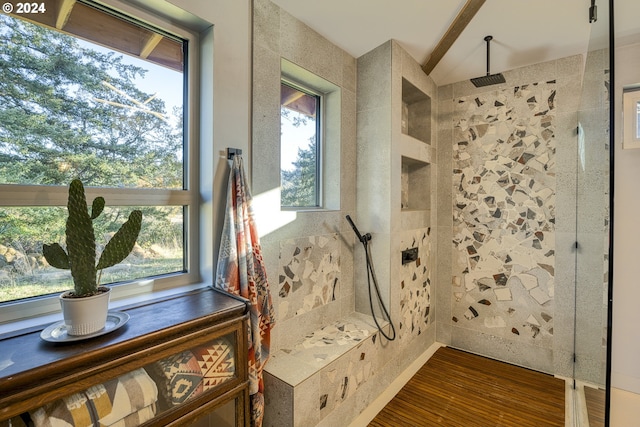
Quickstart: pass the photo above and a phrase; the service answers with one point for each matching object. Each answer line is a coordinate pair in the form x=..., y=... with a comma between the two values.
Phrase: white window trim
x=40, y=310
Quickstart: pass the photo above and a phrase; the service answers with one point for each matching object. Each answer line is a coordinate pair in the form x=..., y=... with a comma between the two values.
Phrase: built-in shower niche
x=416, y=185
x=416, y=112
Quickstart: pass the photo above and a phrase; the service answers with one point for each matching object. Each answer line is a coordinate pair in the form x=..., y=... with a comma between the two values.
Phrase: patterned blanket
x=128, y=400
x=136, y=397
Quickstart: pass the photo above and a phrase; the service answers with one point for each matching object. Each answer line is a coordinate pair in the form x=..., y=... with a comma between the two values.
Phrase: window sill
x=22, y=326
x=307, y=210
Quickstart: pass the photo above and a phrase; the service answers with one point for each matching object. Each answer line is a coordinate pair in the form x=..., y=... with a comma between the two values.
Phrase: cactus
x=80, y=256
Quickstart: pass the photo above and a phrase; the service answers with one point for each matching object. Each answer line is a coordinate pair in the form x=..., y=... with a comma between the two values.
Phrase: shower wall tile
x=306, y=396
x=504, y=212
x=466, y=88
x=267, y=111
x=593, y=124
x=340, y=380
x=442, y=305
x=266, y=23
x=445, y=92
x=373, y=169
x=308, y=275
x=415, y=286
x=298, y=40
x=349, y=72
x=589, y=340
x=374, y=78
x=566, y=133
x=279, y=399
x=569, y=67
x=496, y=308
x=570, y=92
x=566, y=201
x=522, y=354
x=348, y=153
x=380, y=256
x=539, y=72
x=411, y=220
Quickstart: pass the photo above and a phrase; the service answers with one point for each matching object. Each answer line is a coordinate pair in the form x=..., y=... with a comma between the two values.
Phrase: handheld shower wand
x=364, y=239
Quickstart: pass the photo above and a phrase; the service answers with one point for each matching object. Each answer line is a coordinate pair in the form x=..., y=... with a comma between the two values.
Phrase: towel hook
x=232, y=152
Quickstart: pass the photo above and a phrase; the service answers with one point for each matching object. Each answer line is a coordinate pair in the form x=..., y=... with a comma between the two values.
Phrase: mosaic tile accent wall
x=309, y=274
x=415, y=286
x=340, y=380
x=504, y=212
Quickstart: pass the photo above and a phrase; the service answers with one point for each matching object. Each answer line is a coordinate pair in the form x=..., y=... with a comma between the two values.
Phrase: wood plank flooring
x=595, y=400
x=459, y=389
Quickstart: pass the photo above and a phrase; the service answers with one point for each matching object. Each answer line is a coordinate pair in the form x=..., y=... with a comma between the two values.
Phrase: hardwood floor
x=459, y=389
x=595, y=400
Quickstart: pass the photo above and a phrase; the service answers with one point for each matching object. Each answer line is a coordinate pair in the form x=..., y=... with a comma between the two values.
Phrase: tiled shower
x=525, y=156
x=486, y=191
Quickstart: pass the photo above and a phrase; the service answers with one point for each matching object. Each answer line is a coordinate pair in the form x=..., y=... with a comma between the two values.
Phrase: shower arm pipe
x=488, y=40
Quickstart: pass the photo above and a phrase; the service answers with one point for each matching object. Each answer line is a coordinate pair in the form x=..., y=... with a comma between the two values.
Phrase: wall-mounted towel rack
x=232, y=152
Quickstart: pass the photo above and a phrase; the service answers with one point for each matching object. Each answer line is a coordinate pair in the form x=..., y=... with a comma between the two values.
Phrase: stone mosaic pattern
x=504, y=212
x=327, y=344
x=341, y=379
x=309, y=274
x=415, y=286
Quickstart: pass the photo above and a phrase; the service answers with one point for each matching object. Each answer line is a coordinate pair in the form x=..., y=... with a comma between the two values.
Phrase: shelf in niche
x=415, y=185
x=415, y=149
x=409, y=210
x=416, y=113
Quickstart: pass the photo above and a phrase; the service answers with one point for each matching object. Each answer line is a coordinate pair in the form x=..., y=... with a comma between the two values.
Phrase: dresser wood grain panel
x=34, y=372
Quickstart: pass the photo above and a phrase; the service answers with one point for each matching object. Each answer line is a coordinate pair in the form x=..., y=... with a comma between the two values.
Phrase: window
x=106, y=103
x=310, y=135
x=300, y=136
x=631, y=118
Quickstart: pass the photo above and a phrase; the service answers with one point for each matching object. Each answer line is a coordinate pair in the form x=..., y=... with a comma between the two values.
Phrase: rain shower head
x=489, y=79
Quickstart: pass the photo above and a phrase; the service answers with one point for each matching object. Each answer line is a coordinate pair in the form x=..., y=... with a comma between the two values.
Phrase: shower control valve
x=409, y=255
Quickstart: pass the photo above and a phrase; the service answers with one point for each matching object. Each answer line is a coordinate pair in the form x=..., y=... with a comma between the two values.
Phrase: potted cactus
x=80, y=258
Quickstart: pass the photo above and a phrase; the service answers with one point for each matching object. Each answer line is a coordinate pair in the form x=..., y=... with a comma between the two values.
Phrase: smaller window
x=300, y=146
x=631, y=118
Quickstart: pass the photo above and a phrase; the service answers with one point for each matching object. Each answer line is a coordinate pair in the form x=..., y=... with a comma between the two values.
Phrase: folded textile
x=185, y=375
x=137, y=418
x=101, y=405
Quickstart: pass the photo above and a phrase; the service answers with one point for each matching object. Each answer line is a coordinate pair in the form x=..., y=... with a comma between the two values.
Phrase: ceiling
x=524, y=32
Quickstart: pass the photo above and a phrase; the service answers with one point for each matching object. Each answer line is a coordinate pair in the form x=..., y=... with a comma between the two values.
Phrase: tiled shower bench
x=305, y=383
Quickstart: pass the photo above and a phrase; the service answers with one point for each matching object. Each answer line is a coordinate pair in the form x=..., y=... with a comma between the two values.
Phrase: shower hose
x=371, y=279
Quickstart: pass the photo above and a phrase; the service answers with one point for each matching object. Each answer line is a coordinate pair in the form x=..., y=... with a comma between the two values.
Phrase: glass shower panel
x=592, y=224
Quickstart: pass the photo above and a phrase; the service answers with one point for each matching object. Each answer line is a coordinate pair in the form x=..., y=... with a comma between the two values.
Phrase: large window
x=86, y=92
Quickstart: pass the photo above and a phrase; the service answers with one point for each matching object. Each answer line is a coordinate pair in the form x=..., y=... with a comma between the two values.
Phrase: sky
x=292, y=138
x=163, y=81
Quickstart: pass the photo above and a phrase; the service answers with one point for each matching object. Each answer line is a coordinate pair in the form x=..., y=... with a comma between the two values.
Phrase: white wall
x=625, y=369
x=227, y=106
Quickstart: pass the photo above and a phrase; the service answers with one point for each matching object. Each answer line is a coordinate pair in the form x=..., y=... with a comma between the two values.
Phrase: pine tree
x=299, y=185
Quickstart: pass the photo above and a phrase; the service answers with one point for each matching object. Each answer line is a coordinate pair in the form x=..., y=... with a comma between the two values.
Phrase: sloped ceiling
x=524, y=32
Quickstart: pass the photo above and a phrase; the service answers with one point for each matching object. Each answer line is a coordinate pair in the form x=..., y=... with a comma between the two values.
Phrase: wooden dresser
x=191, y=350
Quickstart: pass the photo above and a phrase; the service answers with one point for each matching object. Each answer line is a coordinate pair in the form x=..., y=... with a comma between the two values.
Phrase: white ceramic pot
x=86, y=315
